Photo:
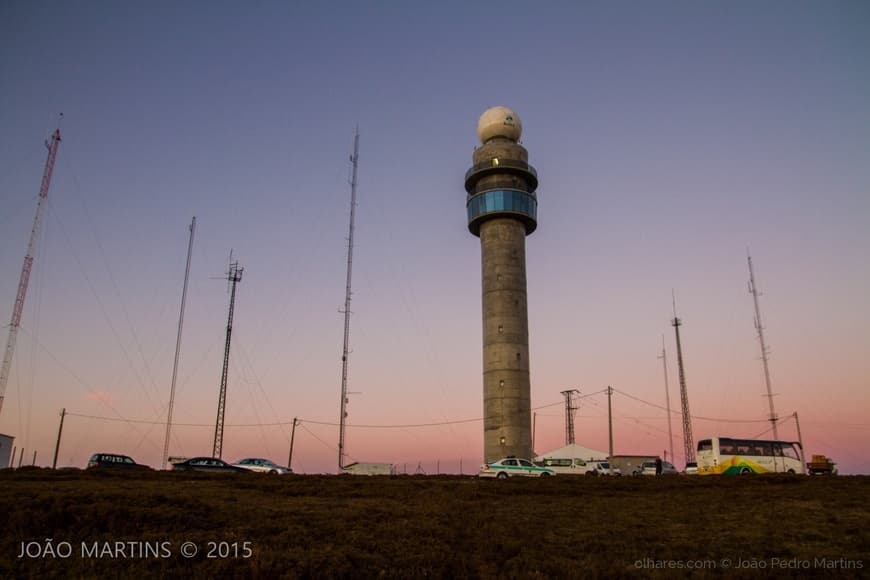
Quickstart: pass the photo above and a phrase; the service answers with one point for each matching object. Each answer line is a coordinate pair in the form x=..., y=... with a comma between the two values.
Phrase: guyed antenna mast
x=18, y=309
x=688, y=439
x=764, y=349
x=234, y=276
x=667, y=399
x=345, y=352
x=178, y=344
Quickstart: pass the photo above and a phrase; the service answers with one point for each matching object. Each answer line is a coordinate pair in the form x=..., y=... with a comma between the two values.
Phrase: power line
x=313, y=422
x=693, y=416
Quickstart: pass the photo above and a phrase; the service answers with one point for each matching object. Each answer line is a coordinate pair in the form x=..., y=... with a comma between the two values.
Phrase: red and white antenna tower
x=28, y=265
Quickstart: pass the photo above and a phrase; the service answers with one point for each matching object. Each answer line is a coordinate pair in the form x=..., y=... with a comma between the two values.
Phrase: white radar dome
x=499, y=122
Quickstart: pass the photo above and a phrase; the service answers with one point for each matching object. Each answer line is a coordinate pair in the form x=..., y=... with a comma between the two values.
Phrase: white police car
x=511, y=466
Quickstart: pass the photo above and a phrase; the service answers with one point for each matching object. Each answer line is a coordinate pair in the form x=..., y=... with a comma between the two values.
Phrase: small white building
x=366, y=468
x=574, y=451
x=6, y=442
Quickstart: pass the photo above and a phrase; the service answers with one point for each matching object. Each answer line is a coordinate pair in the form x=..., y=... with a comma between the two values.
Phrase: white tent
x=574, y=451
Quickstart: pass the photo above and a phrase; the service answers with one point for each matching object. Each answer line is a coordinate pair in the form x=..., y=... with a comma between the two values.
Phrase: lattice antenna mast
x=18, y=309
x=688, y=440
x=570, y=411
x=764, y=349
x=234, y=276
x=667, y=399
x=345, y=352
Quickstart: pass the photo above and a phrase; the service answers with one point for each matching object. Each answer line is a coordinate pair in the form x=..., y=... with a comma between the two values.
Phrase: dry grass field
x=108, y=524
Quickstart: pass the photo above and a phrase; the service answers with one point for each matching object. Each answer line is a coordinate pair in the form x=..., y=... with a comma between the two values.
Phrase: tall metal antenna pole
x=667, y=399
x=178, y=344
x=354, y=159
x=234, y=276
x=570, y=409
x=610, y=422
x=688, y=440
x=18, y=309
x=764, y=349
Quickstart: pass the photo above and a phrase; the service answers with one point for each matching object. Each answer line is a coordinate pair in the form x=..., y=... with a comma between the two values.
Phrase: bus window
x=789, y=451
x=705, y=445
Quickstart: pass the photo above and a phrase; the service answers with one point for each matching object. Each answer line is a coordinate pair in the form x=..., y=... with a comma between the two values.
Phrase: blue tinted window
x=502, y=200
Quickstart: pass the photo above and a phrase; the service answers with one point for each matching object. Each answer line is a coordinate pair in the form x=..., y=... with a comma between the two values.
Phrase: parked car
x=649, y=468
x=113, y=460
x=575, y=466
x=691, y=468
x=511, y=466
x=262, y=466
x=604, y=468
x=209, y=464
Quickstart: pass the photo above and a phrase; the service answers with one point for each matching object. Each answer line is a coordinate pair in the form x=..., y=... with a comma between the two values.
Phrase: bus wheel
x=502, y=475
x=791, y=471
x=745, y=471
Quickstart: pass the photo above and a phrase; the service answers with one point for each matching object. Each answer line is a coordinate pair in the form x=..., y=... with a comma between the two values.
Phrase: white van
x=573, y=466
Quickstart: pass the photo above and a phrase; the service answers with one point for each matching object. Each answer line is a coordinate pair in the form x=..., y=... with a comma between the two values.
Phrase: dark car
x=113, y=460
x=209, y=464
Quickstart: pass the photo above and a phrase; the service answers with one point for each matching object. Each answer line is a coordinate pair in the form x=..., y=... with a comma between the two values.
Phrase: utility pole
x=354, y=159
x=59, y=432
x=688, y=440
x=534, y=423
x=610, y=420
x=292, y=438
x=178, y=344
x=23, y=281
x=234, y=276
x=759, y=326
x=667, y=399
x=570, y=409
x=801, y=443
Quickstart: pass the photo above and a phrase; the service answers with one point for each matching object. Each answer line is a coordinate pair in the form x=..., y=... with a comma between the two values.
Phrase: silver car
x=262, y=466
x=649, y=468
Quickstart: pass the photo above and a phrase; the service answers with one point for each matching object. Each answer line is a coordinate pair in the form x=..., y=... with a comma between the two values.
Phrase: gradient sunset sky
x=669, y=137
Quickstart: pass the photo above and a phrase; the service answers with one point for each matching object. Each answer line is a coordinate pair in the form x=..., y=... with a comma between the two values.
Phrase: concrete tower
x=502, y=210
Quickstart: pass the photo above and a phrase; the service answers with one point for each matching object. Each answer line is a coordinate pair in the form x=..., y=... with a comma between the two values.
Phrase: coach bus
x=731, y=456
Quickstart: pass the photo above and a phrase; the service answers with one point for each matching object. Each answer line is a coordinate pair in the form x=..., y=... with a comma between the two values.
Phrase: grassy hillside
x=125, y=524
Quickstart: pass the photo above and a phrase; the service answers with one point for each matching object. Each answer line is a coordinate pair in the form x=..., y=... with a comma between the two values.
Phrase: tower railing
x=497, y=164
